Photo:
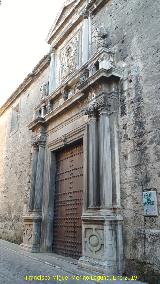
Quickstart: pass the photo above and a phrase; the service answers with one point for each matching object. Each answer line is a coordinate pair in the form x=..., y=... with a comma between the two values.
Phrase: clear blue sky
x=24, y=25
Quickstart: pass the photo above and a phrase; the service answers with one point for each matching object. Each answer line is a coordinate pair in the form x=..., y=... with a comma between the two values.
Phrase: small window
x=15, y=118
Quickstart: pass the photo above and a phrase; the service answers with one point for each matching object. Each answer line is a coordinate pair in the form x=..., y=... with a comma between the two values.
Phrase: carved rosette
x=94, y=241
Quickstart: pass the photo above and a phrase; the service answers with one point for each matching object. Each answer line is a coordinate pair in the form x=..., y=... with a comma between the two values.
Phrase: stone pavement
x=17, y=265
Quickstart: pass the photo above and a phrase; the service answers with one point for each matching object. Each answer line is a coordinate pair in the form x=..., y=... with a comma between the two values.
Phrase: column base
x=102, y=243
x=32, y=232
x=103, y=267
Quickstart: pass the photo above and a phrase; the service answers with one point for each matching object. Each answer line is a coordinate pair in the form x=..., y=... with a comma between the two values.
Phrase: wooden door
x=67, y=231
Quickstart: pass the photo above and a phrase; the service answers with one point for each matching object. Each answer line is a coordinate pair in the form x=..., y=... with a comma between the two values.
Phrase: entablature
x=101, y=69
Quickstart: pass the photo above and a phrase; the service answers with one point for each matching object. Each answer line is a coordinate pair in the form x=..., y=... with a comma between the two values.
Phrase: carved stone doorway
x=67, y=230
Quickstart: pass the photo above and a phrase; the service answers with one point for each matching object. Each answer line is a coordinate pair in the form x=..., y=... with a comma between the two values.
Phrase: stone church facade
x=80, y=141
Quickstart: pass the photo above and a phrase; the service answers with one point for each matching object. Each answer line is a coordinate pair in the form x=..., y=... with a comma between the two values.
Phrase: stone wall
x=132, y=31
x=15, y=159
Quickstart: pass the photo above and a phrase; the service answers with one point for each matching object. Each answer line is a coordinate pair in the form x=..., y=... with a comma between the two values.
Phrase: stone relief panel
x=94, y=241
x=28, y=234
x=70, y=56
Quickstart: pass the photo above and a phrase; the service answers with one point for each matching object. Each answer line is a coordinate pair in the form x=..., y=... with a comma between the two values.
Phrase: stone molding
x=67, y=138
x=67, y=122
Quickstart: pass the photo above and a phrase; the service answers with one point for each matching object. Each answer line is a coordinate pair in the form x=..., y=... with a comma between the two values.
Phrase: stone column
x=39, y=175
x=52, y=72
x=32, y=221
x=105, y=165
x=48, y=200
x=33, y=176
x=93, y=198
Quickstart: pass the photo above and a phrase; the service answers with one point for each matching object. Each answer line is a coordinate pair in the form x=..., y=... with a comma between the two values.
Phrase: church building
x=80, y=141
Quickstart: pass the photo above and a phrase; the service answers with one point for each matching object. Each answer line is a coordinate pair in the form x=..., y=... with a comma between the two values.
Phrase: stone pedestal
x=32, y=232
x=102, y=243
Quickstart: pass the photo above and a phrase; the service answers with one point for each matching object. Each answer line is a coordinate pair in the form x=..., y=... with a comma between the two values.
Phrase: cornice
x=30, y=78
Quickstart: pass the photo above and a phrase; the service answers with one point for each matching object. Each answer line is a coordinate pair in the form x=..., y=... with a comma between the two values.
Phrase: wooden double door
x=67, y=230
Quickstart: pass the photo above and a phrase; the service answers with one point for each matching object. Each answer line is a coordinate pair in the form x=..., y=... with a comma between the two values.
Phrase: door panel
x=67, y=231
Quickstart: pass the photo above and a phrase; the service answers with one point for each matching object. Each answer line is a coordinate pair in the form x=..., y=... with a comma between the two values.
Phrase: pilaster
x=93, y=196
x=105, y=166
x=85, y=37
x=52, y=72
x=39, y=175
x=33, y=175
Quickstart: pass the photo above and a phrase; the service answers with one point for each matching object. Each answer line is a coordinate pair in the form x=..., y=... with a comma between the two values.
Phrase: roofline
x=29, y=79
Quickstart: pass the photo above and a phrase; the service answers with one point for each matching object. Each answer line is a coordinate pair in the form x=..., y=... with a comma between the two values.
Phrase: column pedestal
x=32, y=232
x=102, y=243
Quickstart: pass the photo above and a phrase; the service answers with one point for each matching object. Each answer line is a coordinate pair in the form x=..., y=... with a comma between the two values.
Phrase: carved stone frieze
x=69, y=56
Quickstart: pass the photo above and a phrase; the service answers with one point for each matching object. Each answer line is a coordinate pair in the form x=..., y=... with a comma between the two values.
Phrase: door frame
x=80, y=133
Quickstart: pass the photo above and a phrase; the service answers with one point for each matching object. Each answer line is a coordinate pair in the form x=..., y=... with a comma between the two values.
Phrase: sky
x=24, y=26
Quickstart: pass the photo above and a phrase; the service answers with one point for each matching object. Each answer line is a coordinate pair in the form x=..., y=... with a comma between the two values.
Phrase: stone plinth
x=32, y=232
x=102, y=243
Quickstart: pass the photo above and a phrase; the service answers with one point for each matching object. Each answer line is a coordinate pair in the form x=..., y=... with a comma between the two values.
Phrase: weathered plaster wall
x=133, y=32
x=15, y=159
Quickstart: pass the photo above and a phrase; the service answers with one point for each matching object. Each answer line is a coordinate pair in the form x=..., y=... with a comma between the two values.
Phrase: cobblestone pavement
x=17, y=265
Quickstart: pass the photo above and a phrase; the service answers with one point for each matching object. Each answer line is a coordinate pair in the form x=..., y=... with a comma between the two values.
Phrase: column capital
x=34, y=145
x=39, y=140
x=85, y=14
x=91, y=110
x=102, y=103
x=52, y=50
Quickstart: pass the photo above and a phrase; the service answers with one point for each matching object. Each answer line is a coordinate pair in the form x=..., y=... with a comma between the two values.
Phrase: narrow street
x=18, y=267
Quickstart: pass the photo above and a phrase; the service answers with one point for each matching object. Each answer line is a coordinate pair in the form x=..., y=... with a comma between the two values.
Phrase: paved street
x=17, y=267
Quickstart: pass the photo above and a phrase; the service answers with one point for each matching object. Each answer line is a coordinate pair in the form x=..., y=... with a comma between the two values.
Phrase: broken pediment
x=65, y=11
